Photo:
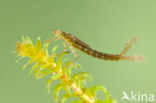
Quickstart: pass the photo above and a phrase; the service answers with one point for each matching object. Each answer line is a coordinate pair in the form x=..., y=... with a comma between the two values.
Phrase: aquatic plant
x=58, y=67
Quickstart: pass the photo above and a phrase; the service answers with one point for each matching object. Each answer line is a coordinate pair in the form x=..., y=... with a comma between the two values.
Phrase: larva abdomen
x=96, y=54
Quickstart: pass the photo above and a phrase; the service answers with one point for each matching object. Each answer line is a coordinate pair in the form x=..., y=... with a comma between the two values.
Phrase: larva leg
x=75, y=53
x=65, y=47
x=50, y=40
x=128, y=46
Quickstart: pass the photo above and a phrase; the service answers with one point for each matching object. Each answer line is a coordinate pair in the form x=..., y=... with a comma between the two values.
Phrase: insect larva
x=74, y=42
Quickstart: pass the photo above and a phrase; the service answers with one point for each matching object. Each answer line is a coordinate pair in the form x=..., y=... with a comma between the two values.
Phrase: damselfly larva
x=74, y=42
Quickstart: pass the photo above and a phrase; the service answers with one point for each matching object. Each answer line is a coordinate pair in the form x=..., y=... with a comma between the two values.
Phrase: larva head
x=58, y=33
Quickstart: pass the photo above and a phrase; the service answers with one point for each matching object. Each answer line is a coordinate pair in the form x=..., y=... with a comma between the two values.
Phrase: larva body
x=74, y=42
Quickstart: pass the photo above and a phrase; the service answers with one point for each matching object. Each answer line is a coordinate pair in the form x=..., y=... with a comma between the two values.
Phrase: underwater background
x=106, y=25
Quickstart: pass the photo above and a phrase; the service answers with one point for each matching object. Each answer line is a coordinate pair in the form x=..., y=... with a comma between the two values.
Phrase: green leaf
x=65, y=59
x=38, y=39
x=59, y=63
x=59, y=60
x=73, y=65
x=32, y=69
x=26, y=40
x=66, y=96
x=48, y=84
x=19, y=59
x=97, y=88
x=82, y=76
x=38, y=45
x=23, y=38
x=45, y=47
x=69, y=63
x=76, y=65
x=67, y=88
x=57, y=90
x=53, y=55
x=54, y=49
x=77, y=101
x=56, y=76
x=41, y=74
x=68, y=71
x=49, y=81
x=25, y=65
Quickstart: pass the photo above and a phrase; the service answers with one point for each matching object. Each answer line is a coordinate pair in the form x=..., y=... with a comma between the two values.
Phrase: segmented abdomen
x=97, y=54
x=80, y=45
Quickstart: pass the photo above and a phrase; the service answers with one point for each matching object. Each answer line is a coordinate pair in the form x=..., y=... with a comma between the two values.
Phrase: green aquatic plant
x=59, y=68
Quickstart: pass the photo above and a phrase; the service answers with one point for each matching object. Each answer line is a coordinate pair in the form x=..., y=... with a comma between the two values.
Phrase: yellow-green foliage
x=59, y=68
